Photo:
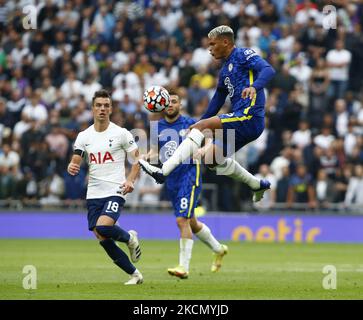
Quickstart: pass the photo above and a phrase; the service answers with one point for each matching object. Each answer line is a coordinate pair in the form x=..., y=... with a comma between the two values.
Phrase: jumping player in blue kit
x=243, y=76
x=183, y=186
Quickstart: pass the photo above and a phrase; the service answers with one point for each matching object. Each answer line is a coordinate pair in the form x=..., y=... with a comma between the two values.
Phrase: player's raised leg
x=204, y=234
x=231, y=168
x=186, y=149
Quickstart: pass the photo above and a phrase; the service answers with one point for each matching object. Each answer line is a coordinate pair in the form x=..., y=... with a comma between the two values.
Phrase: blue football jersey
x=237, y=73
x=170, y=136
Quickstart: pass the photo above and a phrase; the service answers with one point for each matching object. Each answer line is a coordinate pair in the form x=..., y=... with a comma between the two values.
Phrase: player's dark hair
x=100, y=94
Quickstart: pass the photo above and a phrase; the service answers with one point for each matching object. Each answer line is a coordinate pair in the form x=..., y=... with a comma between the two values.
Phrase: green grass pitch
x=79, y=269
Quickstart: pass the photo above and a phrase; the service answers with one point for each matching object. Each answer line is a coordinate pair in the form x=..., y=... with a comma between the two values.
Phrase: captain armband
x=79, y=152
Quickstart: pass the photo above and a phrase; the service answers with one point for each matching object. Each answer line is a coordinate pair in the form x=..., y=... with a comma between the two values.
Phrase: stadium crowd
x=311, y=149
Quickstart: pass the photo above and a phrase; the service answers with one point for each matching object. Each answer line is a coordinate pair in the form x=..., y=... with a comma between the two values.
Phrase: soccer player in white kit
x=104, y=145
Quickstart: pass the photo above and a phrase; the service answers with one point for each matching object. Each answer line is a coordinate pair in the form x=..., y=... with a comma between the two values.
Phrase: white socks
x=185, y=253
x=136, y=272
x=186, y=149
x=206, y=236
x=233, y=169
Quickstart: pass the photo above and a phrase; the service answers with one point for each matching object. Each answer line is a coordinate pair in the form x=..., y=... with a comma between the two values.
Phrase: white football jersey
x=106, y=156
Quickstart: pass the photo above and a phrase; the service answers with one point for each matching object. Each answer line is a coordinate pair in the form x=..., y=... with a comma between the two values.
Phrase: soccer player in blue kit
x=183, y=186
x=243, y=76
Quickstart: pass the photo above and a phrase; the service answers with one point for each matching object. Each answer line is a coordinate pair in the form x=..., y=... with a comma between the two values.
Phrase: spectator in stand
x=279, y=163
x=306, y=10
x=354, y=193
x=35, y=110
x=201, y=55
x=205, y=79
x=341, y=180
x=323, y=189
x=284, y=82
x=329, y=162
x=5, y=116
x=338, y=61
x=170, y=72
x=325, y=138
x=48, y=93
x=302, y=137
x=7, y=183
x=90, y=86
x=301, y=188
x=341, y=117
x=282, y=186
x=53, y=192
x=186, y=70
x=318, y=86
x=71, y=87
x=301, y=71
x=143, y=66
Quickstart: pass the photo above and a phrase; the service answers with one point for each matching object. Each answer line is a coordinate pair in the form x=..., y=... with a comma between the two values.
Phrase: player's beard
x=173, y=115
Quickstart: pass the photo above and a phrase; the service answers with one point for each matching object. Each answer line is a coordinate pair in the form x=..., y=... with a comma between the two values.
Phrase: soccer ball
x=156, y=99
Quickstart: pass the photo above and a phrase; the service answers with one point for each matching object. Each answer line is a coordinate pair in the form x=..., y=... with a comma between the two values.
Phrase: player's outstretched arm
x=128, y=185
x=75, y=165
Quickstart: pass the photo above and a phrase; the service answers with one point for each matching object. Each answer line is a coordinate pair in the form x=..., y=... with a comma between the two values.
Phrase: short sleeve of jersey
x=128, y=141
x=250, y=58
x=79, y=143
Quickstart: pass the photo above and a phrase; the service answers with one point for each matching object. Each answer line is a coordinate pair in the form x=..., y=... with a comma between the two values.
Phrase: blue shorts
x=184, y=198
x=246, y=127
x=110, y=206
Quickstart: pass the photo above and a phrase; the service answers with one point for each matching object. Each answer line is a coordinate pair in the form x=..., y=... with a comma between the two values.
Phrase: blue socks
x=114, y=232
x=119, y=257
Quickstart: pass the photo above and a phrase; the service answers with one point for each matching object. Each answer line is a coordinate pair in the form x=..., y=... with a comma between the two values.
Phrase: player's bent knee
x=102, y=231
x=195, y=225
x=98, y=236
